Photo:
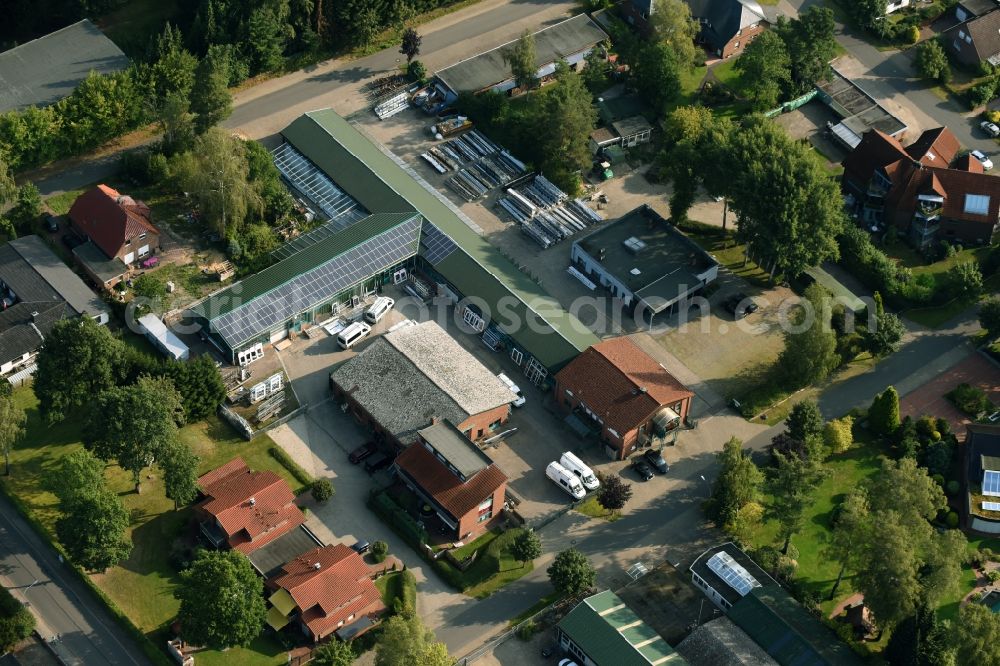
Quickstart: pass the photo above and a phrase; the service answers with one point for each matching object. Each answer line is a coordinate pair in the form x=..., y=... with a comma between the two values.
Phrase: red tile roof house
x=325, y=590
x=623, y=393
x=244, y=509
x=451, y=474
x=922, y=190
x=117, y=225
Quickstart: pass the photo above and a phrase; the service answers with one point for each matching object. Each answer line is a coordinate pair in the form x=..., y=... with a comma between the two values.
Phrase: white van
x=353, y=334
x=514, y=388
x=584, y=473
x=566, y=480
x=378, y=309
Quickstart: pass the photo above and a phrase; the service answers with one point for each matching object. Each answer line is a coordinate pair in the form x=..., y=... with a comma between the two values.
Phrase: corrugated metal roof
x=59, y=276
x=379, y=183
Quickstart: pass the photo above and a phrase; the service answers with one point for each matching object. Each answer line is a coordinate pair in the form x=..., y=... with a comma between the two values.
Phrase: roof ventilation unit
x=633, y=245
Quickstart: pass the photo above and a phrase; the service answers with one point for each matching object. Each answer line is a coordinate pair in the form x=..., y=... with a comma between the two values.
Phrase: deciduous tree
x=674, y=27
x=78, y=475
x=522, y=61
x=932, y=62
x=838, y=434
x=135, y=425
x=334, y=653
x=657, y=75
x=16, y=621
x=179, y=465
x=94, y=530
x=739, y=483
x=571, y=573
x=595, y=68
x=410, y=46
x=222, y=600
x=404, y=641
x=976, y=635
x=12, y=420
x=804, y=421
x=526, y=547
x=765, y=62
x=811, y=44
x=851, y=531
x=810, y=352
x=614, y=493
x=791, y=482
x=989, y=315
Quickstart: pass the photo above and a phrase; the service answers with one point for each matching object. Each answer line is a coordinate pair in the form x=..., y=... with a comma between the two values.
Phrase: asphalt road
x=73, y=622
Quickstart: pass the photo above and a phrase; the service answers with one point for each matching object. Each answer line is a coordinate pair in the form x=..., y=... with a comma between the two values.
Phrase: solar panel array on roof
x=436, y=244
x=991, y=483
x=326, y=281
x=336, y=204
x=726, y=568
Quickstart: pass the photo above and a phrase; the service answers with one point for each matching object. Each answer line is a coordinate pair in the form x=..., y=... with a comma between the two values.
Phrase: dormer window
x=142, y=236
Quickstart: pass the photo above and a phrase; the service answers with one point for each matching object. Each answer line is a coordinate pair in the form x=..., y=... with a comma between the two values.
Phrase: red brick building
x=401, y=381
x=116, y=223
x=922, y=189
x=243, y=509
x=325, y=591
x=452, y=475
x=621, y=392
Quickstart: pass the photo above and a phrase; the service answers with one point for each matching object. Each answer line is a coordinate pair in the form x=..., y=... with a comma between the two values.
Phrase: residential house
x=36, y=290
x=603, y=631
x=621, y=392
x=325, y=591
x=452, y=475
x=975, y=41
x=727, y=26
x=760, y=607
x=245, y=509
x=919, y=191
x=401, y=381
x=627, y=133
x=118, y=226
x=981, y=477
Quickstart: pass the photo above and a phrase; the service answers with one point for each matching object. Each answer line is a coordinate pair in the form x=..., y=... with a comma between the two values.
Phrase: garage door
x=144, y=250
x=129, y=258
x=279, y=335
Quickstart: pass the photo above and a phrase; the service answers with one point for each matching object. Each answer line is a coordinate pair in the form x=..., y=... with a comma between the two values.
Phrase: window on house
x=957, y=45
x=991, y=483
x=142, y=235
x=977, y=204
x=483, y=517
x=736, y=45
x=569, y=393
x=350, y=617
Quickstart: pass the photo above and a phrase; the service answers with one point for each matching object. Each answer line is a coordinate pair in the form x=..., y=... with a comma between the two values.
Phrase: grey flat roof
x=104, y=268
x=631, y=126
x=268, y=558
x=858, y=110
x=558, y=41
x=59, y=276
x=669, y=260
x=457, y=449
x=720, y=642
x=43, y=71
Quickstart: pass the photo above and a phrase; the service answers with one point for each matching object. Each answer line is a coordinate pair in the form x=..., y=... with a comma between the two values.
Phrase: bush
x=993, y=576
x=969, y=399
x=938, y=479
x=321, y=490
x=952, y=519
x=416, y=71
x=527, y=629
x=380, y=549
x=952, y=487
x=16, y=621
x=293, y=468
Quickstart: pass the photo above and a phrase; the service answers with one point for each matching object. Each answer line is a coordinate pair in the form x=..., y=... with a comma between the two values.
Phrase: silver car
x=990, y=128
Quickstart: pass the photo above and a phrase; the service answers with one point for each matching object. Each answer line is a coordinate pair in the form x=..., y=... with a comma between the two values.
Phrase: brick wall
x=477, y=426
x=469, y=523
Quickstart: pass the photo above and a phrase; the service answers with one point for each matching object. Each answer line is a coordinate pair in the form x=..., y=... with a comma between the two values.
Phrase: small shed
x=602, y=137
x=633, y=130
x=163, y=338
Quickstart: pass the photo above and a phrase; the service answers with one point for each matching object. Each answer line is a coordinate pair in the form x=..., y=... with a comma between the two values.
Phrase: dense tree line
x=25, y=20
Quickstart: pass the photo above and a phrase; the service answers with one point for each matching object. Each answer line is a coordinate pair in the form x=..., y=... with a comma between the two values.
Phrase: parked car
x=362, y=452
x=377, y=462
x=985, y=161
x=990, y=128
x=655, y=460
x=739, y=305
x=642, y=468
x=361, y=547
x=51, y=224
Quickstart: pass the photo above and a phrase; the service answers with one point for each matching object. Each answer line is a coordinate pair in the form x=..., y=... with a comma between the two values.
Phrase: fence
x=791, y=105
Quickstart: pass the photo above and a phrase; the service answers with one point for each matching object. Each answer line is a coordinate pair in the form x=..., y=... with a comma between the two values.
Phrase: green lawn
x=61, y=203
x=494, y=566
x=143, y=585
x=726, y=73
x=690, y=85
x=591, y=507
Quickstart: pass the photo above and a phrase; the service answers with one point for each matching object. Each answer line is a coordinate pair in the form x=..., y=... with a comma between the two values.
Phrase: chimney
x=253, y=501
x=34, y=316
x=317, y=566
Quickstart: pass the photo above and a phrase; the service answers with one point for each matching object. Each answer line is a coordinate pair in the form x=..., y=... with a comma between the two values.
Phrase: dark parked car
x=361, y=547
x=739, y=305
x=51, y=224
x=655, y=460
x=71, y=241
x=362, y=452
x=642, y=468
x=376, y=462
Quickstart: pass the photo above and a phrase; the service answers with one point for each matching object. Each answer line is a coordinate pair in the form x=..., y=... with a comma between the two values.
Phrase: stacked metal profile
x=545, y=213
x=479, y=165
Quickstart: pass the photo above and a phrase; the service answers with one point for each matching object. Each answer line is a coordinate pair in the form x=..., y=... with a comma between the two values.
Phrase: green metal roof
x=380, y=183
x=285, y=270
x=613, y=635
x=783, y=628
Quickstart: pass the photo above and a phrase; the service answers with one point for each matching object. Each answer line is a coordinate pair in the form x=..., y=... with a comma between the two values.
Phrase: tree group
x=222, y=600
x=404, y=640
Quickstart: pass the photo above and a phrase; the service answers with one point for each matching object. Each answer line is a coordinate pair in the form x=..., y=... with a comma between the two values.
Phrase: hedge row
x=293, y=467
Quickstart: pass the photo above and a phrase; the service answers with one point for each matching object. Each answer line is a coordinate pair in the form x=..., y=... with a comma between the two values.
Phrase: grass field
x=591, y=507
x=494, y=566
x=143, y=585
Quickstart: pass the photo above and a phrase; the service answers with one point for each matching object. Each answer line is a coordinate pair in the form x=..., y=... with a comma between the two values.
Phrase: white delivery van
x=566, y=480
x=514, y=388
x=378, y=309
x=353, y=334
x=584, y=473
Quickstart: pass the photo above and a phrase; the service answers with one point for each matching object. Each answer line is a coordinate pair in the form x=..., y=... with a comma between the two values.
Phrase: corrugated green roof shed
x=380, y=184
x=613, y=635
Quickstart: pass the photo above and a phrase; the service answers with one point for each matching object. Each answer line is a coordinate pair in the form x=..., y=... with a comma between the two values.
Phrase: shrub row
x=293, y=467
